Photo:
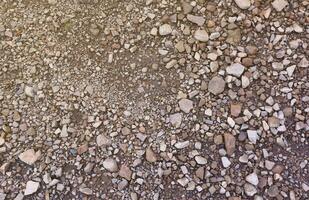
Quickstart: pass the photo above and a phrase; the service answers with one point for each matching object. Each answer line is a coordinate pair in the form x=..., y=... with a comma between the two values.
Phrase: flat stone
x=186, y=105
x=165, y=29
x=229, y=142
x=253, y=179
x=201, y=35
x=110, y=164
x=277, y=66
x=279, y=5
x=199, y=20
x=176, y=119
x=150, y=155
x=216, y=85
x=235, y=69
x=31, y=187
x=243, y=4
x=125, y=172
x=200, y=160
x=86, y=191
x=29, y=156
x=182, y=145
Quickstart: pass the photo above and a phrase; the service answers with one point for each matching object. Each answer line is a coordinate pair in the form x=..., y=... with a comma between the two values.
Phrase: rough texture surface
x=154, y=99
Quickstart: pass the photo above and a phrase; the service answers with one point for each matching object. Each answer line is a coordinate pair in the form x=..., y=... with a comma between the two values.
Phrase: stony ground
x=154, y=99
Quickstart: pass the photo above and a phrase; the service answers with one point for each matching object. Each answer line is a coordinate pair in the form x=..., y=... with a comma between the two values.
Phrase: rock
x=52, y=2
x=245, y=82
x=165, y=29
x=277, y=66
x=180, y=46
x=225, y=162
x=216, y=85
x=185, y=105
x=150, y=155
x=199, y=20
x=186, y=7
x=31, y=187
x=182, y=145
x=86, y=191
x=235, y=69
x=125, y=172
x=252, y=136
x=253, y=179
x=200, y=160
x=243, y=4
x=229, y=142
x=279, y=5
x=176, y=119
x=30, y=156
x=125, y=131
x=273, y=191
x=171, y=64
x=102, y=140
x=201, y=35
x=2, y=141
x=250, y=190
x=273, y=122
x=200, y=173
x=233, y=36
x=236, y=109
x=110, y=164
x=29, y=91
x=303, y=63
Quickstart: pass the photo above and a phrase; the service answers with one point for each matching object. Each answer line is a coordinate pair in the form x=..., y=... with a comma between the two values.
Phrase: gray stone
x=216, y=85
x=243, y=4
x=235, y=69
x=186, y=105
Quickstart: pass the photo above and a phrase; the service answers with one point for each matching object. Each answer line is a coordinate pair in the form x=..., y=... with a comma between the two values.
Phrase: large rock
x=201, y=35
x=279, y=5
x=235, y=69
x=199, y=20
x=243, y=4
x=29, y=156
x=31, y=187
x=216, y=85
x=186, y=105
x=253, y=179
x=165, y=29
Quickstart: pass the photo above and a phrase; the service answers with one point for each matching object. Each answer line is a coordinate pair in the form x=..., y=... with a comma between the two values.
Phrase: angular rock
x=176, y=119
x=29, y=156
x=253, y=179
x=200, y=160
x=250, y=190
x=279, y=5
x=165, y=29
x=125, y=172
x=216, y=85
x=150, y=155
x=186, y=105
x=235, y=69
x=31, y=187
x=102, y=140
x=229, y=142
x=236, y=109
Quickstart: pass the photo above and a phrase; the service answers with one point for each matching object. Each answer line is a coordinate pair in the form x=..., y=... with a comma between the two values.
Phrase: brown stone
x=150, y=155
x=278, y=169
x=229, y=141
x=236, y=109
x=200, y=172
x=247, y=62
x=125, y=172
x=82, y=149
x=273, y=122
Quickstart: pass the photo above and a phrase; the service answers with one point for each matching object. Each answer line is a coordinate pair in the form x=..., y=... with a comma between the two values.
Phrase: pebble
x=230, y=143
x=200, y=160
x=30, y=156
x=176, y=119
x=253, y=179
x=125, y=172
x=279, y=5
x=225, y=162
x=235, y=69
x=150, y=155
x=250, y=190
x=110, y=164
x=102, y=140
x=165, y=29
x=182, y=145
x=253, y=136
x=29, y=91
x=216, y=85
x=201, y=35
x=31, y=187
x=186, y=105
x=243, y=4
x=199, y=20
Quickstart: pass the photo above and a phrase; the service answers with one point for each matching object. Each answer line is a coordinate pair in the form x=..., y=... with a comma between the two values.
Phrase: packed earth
x=154, y=99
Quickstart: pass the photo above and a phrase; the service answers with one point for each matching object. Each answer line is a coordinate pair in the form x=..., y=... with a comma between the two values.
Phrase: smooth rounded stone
x=279, y=5
x=216, y=85
x=29, y=156
x=182, y=145
x=176, y=119
x=229, y=142
x=225, y=162
x=102, y=140
x=243, y=4
x=200, y=160
x=250, y=190
x=31, y=187
x=199, y=20
x=235, y=69
x=185, y=105
x=150, y=155
x=253, y=179
x=201, y=35
x=110, y=164
x=165, y=29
